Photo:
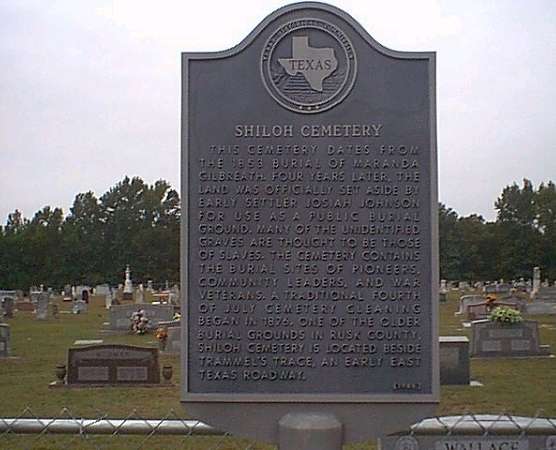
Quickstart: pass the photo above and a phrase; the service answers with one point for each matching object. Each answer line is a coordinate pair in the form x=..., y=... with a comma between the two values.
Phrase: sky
x=90, y=90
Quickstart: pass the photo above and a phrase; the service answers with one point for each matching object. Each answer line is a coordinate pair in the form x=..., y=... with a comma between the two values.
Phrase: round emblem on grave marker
x=308, y=65
x=407, y=443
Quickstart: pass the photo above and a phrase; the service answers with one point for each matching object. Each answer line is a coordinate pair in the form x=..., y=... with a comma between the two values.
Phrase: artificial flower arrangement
x=162, y=335
x=505, y=315
x=139, y=322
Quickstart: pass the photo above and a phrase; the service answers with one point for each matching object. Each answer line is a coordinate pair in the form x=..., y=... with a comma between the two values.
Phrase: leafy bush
x=505, y=315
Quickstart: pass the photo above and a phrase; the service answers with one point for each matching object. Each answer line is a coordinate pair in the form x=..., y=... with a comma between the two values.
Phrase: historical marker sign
x=309, y=247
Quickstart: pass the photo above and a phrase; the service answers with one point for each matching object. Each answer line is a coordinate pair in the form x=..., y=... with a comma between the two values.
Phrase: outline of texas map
x=315, y=64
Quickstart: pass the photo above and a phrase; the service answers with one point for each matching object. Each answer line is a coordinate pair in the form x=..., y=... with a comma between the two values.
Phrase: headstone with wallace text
x=309, y=247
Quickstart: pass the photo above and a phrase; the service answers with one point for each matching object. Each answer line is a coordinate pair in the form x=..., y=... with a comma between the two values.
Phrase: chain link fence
x=70, y=431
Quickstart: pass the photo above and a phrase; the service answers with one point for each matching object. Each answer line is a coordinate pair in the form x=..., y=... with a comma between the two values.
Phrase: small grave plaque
x=520, y=345
x=94, y=374
x=113, y=364
x=492, y=346
x=309, y=246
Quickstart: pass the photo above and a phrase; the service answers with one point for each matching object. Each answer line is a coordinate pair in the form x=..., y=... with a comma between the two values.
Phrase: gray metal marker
x=309, y=259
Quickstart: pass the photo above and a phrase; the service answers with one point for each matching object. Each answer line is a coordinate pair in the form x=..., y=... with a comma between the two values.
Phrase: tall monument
x=128, y=285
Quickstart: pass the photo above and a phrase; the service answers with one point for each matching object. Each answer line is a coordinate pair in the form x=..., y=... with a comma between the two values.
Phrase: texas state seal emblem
x=308, y=65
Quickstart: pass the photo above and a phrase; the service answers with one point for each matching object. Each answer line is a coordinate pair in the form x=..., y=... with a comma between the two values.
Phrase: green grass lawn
x=516, y=386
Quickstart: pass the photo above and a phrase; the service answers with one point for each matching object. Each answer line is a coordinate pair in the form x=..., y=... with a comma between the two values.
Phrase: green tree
x=518, y=232
x=545, y=202
x=449, y=251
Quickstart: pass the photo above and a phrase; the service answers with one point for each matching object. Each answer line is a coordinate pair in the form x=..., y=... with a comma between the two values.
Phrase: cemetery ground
x=517, y=386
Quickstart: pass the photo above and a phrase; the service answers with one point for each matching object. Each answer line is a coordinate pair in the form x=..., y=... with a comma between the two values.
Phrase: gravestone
x=173, y=342
x=475, y=432
x=108, y=299
x=4, y=340
x=79, y=307
x=7, y=293
x=42, y=306
x=54, y=310
x=491, y=339
x=112, y=365
x=544, y=301
x=536, y=280
x=119, y=315
x=174, y=296
x=466, y=300
x=476, y=311
x=309, y=246
x=25, y=306
x=7, y=307
x=82, y=291
x=34, y=296
x=454, y=360
x=102, y=289
x=140, y=295
x=128, y=286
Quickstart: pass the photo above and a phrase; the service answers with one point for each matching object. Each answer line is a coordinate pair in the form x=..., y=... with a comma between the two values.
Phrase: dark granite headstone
x=454, y=360
x=494, y=339
x=4, y=340
x=309, y=244
x=477, y=311
x=113, y=364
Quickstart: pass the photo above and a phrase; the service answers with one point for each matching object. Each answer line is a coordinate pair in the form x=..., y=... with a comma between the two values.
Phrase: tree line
x=139, y=224
x=132, y=223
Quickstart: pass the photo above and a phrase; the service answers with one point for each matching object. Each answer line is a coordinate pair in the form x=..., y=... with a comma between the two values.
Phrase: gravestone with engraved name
x=491, y=339
x=309, y=253
x=4, y=340
x=113, y=364
x=119, y=315
x=476, y=432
